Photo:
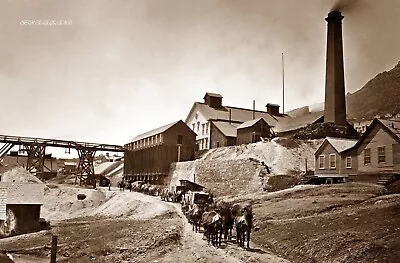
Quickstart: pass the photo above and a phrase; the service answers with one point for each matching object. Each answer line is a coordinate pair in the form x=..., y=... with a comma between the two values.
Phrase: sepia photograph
x=210, y=131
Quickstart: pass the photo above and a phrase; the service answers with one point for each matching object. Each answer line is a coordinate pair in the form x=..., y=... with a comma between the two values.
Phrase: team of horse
x=145, y=188
x=171, y=196
x=219, y=220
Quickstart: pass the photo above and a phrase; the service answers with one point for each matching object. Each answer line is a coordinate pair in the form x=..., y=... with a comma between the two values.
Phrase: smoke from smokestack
x=345, y=5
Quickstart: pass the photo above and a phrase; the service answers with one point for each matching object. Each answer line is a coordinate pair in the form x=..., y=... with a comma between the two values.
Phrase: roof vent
x=213, y=100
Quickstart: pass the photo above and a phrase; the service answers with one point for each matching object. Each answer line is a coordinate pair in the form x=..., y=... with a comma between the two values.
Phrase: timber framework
x=36, y=147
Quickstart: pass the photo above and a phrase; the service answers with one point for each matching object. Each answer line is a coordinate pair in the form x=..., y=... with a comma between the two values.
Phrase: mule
x=216, y=230
x=206, y=220
x=228, y=220
x=244, y=224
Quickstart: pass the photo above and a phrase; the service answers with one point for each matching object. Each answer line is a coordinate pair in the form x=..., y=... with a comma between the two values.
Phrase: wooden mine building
x=148, y=156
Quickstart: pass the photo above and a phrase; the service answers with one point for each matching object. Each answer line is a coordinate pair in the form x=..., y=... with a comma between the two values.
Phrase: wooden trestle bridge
x=35, y=149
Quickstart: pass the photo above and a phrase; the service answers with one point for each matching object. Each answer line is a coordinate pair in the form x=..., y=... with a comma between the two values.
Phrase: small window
x=207, y=128
x=152, y=140
x=217, y=144
x=194, y=125
x=321, y=162
x=203, y=128
x=348, y=162
x=381, y=154
x=198, y=126
x=156, y=138
x=180, y=139
x=367, y=156
x=206, y=146
x=332, y=161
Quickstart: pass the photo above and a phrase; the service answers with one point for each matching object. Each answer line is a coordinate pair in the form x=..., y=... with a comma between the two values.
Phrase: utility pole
x=283, y=85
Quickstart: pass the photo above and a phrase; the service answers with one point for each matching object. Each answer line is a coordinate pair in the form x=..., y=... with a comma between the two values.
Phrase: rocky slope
x=378, y=97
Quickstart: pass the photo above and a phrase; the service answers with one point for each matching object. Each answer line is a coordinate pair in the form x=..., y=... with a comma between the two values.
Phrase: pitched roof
x=292, y=124
x=390, y=126
x=228, y=129
x=339, y=144
x=153, y=132
x=237, y=114
x=249, y=123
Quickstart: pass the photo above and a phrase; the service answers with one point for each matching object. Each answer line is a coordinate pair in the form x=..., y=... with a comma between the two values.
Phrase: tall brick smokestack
x=335, y=100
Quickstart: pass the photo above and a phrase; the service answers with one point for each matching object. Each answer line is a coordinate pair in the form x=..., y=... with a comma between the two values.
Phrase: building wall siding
x=354, y=164
x=217, y=137
x=3, y=201
x=152, y=163
x=202, y=120
x=245, y=135
x=188, y=137
x=376, y=138
x=327, y=150
x=396, y=157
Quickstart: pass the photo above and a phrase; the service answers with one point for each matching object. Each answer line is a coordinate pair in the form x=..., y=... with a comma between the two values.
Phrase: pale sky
x=124, y=67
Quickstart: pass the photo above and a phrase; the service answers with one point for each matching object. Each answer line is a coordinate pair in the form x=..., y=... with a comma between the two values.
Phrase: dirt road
x=197, y=248
x=114, y=226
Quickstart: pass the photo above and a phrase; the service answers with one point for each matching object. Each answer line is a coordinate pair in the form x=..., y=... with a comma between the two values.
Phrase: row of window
x=203, y=143
x=367, y=158
x=332, y=162
x=381, y=155
x=204, y=127
x=149, y=141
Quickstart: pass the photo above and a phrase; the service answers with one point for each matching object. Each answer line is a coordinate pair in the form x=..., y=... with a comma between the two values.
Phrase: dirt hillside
x=243, y=169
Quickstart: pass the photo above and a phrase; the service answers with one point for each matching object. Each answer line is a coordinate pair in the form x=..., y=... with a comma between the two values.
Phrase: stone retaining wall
x=224, y=177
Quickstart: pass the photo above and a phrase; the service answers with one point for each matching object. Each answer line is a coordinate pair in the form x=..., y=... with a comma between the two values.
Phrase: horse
x=212, y=224
x=228, y=220
x=216, y=230
x=129, y=186
x=244, y=224
x=194, y=216
x=121, y=185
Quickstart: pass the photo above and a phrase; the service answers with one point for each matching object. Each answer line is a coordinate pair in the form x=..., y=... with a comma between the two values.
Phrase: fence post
x=53, y=257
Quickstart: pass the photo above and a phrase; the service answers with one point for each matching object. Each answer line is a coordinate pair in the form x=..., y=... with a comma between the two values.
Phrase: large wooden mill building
x=148, y=156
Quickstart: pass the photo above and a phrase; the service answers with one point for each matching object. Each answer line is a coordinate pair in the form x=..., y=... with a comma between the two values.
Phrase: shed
x=20, y=205
x=252, y=131
x=69, y=167
x=191, y=186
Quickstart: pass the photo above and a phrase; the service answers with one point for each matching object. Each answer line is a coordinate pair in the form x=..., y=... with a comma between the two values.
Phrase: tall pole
x=283, y=85
x=254, y=109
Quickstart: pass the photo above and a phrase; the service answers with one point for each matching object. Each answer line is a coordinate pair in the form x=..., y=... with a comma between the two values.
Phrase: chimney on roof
x=213, y=100
x=273, y=109
x=335, y=100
